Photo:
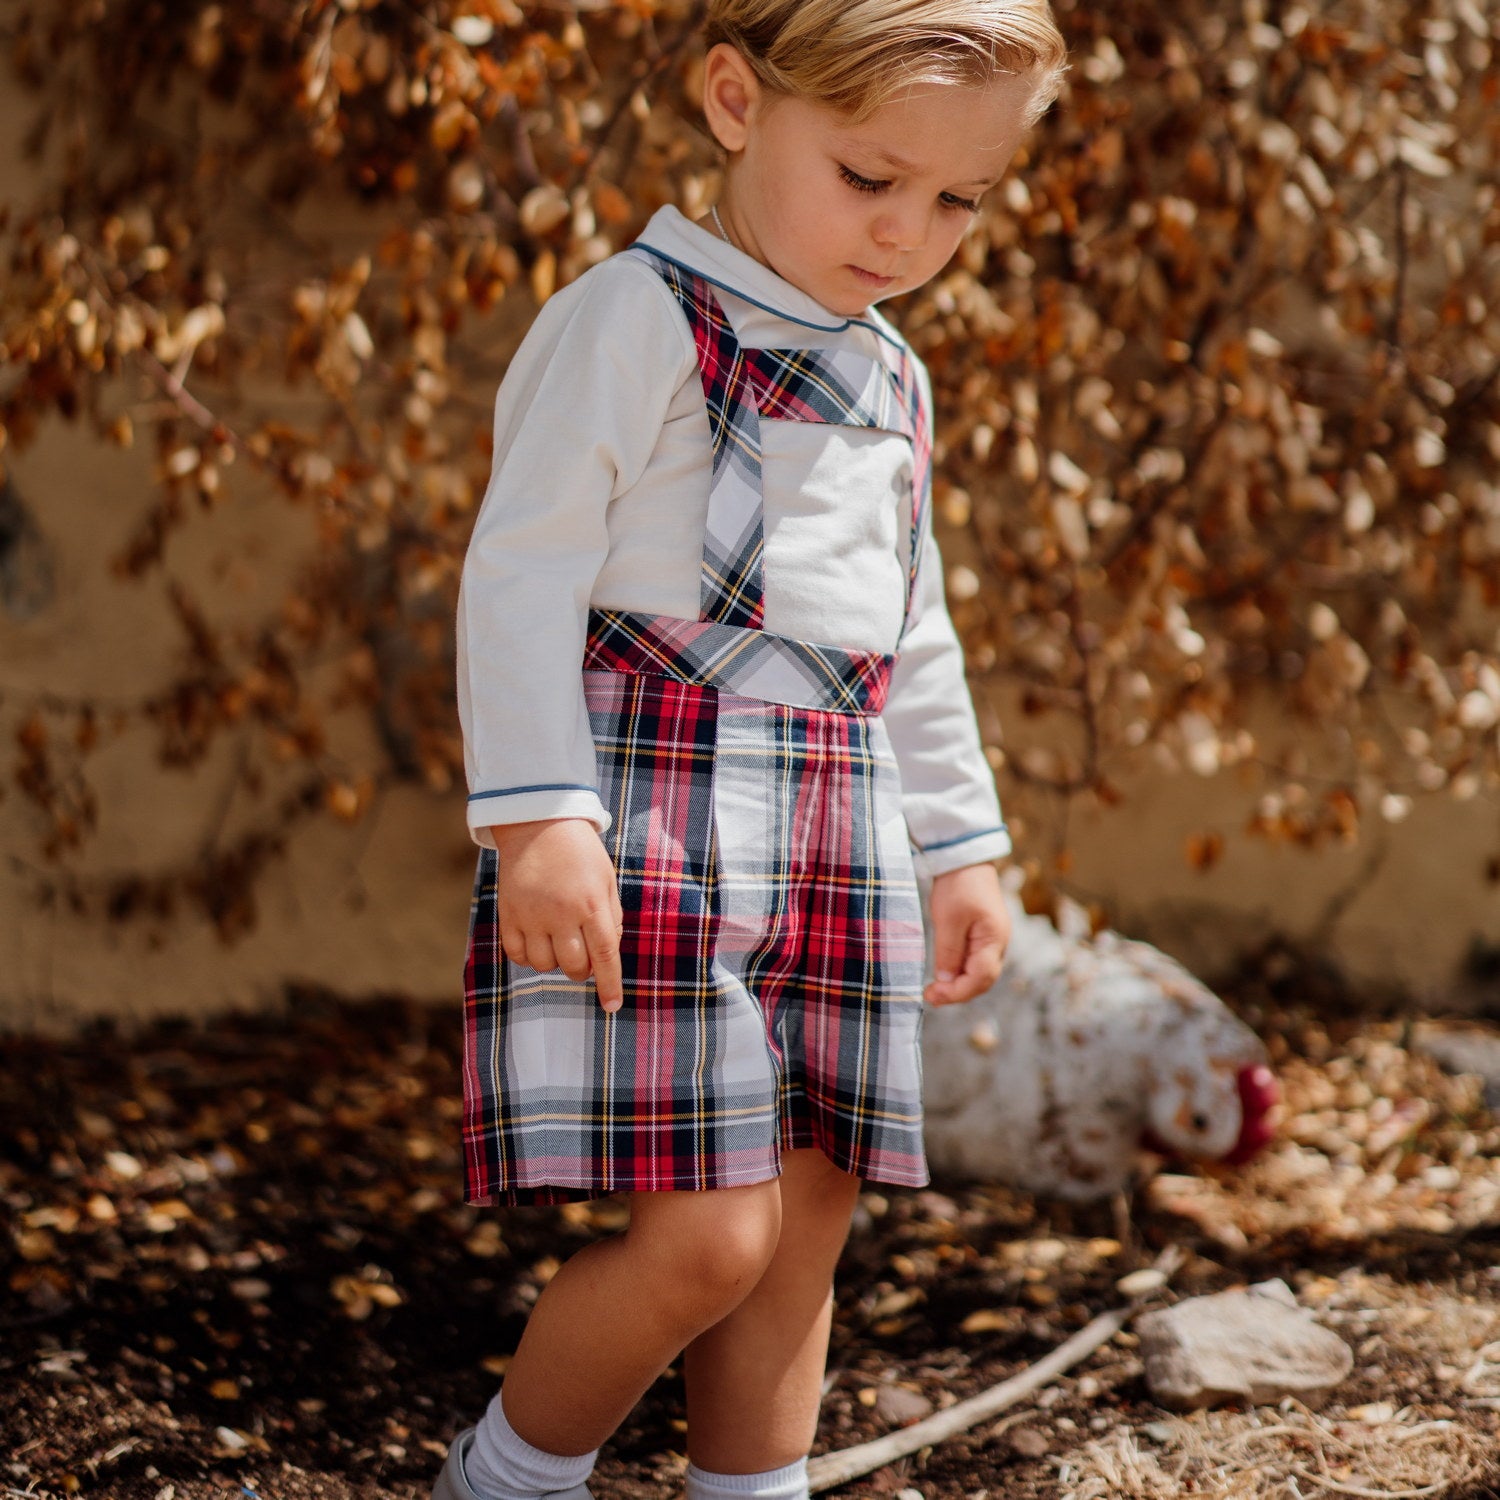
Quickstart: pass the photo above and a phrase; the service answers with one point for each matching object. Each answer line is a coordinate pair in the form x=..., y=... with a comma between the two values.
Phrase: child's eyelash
x=863, y=184
x=879, y=185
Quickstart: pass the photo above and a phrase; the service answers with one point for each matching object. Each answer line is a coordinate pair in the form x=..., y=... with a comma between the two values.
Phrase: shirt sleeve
x=948, y=789
x=576, y=419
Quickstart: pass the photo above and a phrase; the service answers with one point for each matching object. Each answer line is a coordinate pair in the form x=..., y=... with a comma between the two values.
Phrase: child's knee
x=728, y=1261
x=711, y=1248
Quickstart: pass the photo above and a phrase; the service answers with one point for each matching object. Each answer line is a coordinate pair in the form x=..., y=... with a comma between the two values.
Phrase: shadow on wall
x=26, y=576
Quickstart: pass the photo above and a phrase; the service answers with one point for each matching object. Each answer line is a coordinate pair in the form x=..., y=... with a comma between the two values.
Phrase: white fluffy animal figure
x=1084, y=1051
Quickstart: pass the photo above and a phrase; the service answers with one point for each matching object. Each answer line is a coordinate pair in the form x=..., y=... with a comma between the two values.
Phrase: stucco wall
x=381, y=905
x=1413, y=908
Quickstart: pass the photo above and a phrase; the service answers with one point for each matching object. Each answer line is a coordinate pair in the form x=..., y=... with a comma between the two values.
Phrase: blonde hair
x=856, y=55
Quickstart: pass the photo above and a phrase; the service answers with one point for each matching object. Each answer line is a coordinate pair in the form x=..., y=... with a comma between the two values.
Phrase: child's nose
x=901, y=229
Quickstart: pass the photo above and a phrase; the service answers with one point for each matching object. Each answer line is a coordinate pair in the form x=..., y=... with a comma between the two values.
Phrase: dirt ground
x=236, y=1263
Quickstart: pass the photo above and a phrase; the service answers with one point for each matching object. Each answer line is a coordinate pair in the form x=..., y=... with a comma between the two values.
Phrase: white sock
x=502, y=1465
x=789, y=1483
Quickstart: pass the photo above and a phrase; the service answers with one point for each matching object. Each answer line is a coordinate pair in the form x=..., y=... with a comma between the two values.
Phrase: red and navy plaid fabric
x=732, y=589
x=772, y=947
x=751, y=663
x=740, y=386
x=820, y=385
x=772, y=956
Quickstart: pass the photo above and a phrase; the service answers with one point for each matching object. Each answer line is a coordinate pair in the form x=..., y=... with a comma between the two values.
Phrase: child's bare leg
x=755, y=1379
x=620, y=1310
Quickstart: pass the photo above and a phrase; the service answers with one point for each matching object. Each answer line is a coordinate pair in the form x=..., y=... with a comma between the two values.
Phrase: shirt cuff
x=525, y=804
x=954, y=854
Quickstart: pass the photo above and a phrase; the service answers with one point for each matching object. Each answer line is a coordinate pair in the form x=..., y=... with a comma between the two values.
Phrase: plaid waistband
x=749, y=663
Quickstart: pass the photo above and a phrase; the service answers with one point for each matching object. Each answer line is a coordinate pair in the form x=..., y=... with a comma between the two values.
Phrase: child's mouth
x=869, y=278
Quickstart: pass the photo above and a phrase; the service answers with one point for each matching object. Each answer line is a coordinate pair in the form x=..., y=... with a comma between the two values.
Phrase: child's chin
x=841, y=295
x=863, y=300
x=851, y=304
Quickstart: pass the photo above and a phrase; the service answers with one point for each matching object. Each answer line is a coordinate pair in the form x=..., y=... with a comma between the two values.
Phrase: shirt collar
x=671, y=233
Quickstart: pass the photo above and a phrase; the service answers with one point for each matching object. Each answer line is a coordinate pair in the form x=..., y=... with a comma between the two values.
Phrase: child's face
x=855, y=213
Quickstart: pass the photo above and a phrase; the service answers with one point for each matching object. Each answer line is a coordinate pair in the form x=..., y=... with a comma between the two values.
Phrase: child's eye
x=880, y=184
x=862, y=184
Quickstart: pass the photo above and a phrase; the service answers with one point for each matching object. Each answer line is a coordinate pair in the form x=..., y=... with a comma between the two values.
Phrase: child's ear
x=731, y=93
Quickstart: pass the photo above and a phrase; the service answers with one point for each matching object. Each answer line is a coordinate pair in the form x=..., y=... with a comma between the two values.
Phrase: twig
x=27, y=1320
x=1398, y=300
x=169, y=382
x=520, y=142
x=838, y=1468
x=663, y=61
x=1364, y=1494
x=190, y=406
x=1321, y=933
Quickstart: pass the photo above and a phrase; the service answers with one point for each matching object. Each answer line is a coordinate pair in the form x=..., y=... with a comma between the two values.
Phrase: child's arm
x=577, y=418
x=948, y=790
x=948, y=796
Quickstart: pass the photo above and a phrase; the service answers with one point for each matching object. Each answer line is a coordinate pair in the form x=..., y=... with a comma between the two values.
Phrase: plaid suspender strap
x=749, y=663
x=732, y=590
x=727, y=646
x=812, y=385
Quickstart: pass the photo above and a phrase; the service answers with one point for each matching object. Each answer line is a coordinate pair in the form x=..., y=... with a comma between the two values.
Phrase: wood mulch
x=236, y=1263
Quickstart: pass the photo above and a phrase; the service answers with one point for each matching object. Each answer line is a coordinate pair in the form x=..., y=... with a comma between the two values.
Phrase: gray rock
x=898, y=1406
x=1029, y=1442
x=1239, y=1346
x=1276, y=1289
x=1463, y=1047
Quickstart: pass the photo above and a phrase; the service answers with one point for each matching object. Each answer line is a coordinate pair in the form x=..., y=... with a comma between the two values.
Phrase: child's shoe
x=453, y=1483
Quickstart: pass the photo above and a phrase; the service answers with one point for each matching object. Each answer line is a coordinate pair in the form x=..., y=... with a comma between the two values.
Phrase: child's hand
x=559, y=904
x=971, y=930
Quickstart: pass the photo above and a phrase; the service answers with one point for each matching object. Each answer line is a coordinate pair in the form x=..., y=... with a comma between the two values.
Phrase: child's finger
x=513, y=946
x=980, y=971
x=603, y=938
x=956, y=991
x=948, y=951
x=573, y=955
x=539, y=953
x=950, y=991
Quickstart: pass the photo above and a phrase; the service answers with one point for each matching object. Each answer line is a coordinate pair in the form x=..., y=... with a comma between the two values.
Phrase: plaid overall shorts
x=772, y=949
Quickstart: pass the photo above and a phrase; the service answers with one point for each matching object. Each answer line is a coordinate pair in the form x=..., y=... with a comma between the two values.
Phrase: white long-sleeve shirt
x=598, y=496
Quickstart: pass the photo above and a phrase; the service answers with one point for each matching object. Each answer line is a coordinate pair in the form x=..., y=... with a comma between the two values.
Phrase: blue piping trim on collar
x=894, y=341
